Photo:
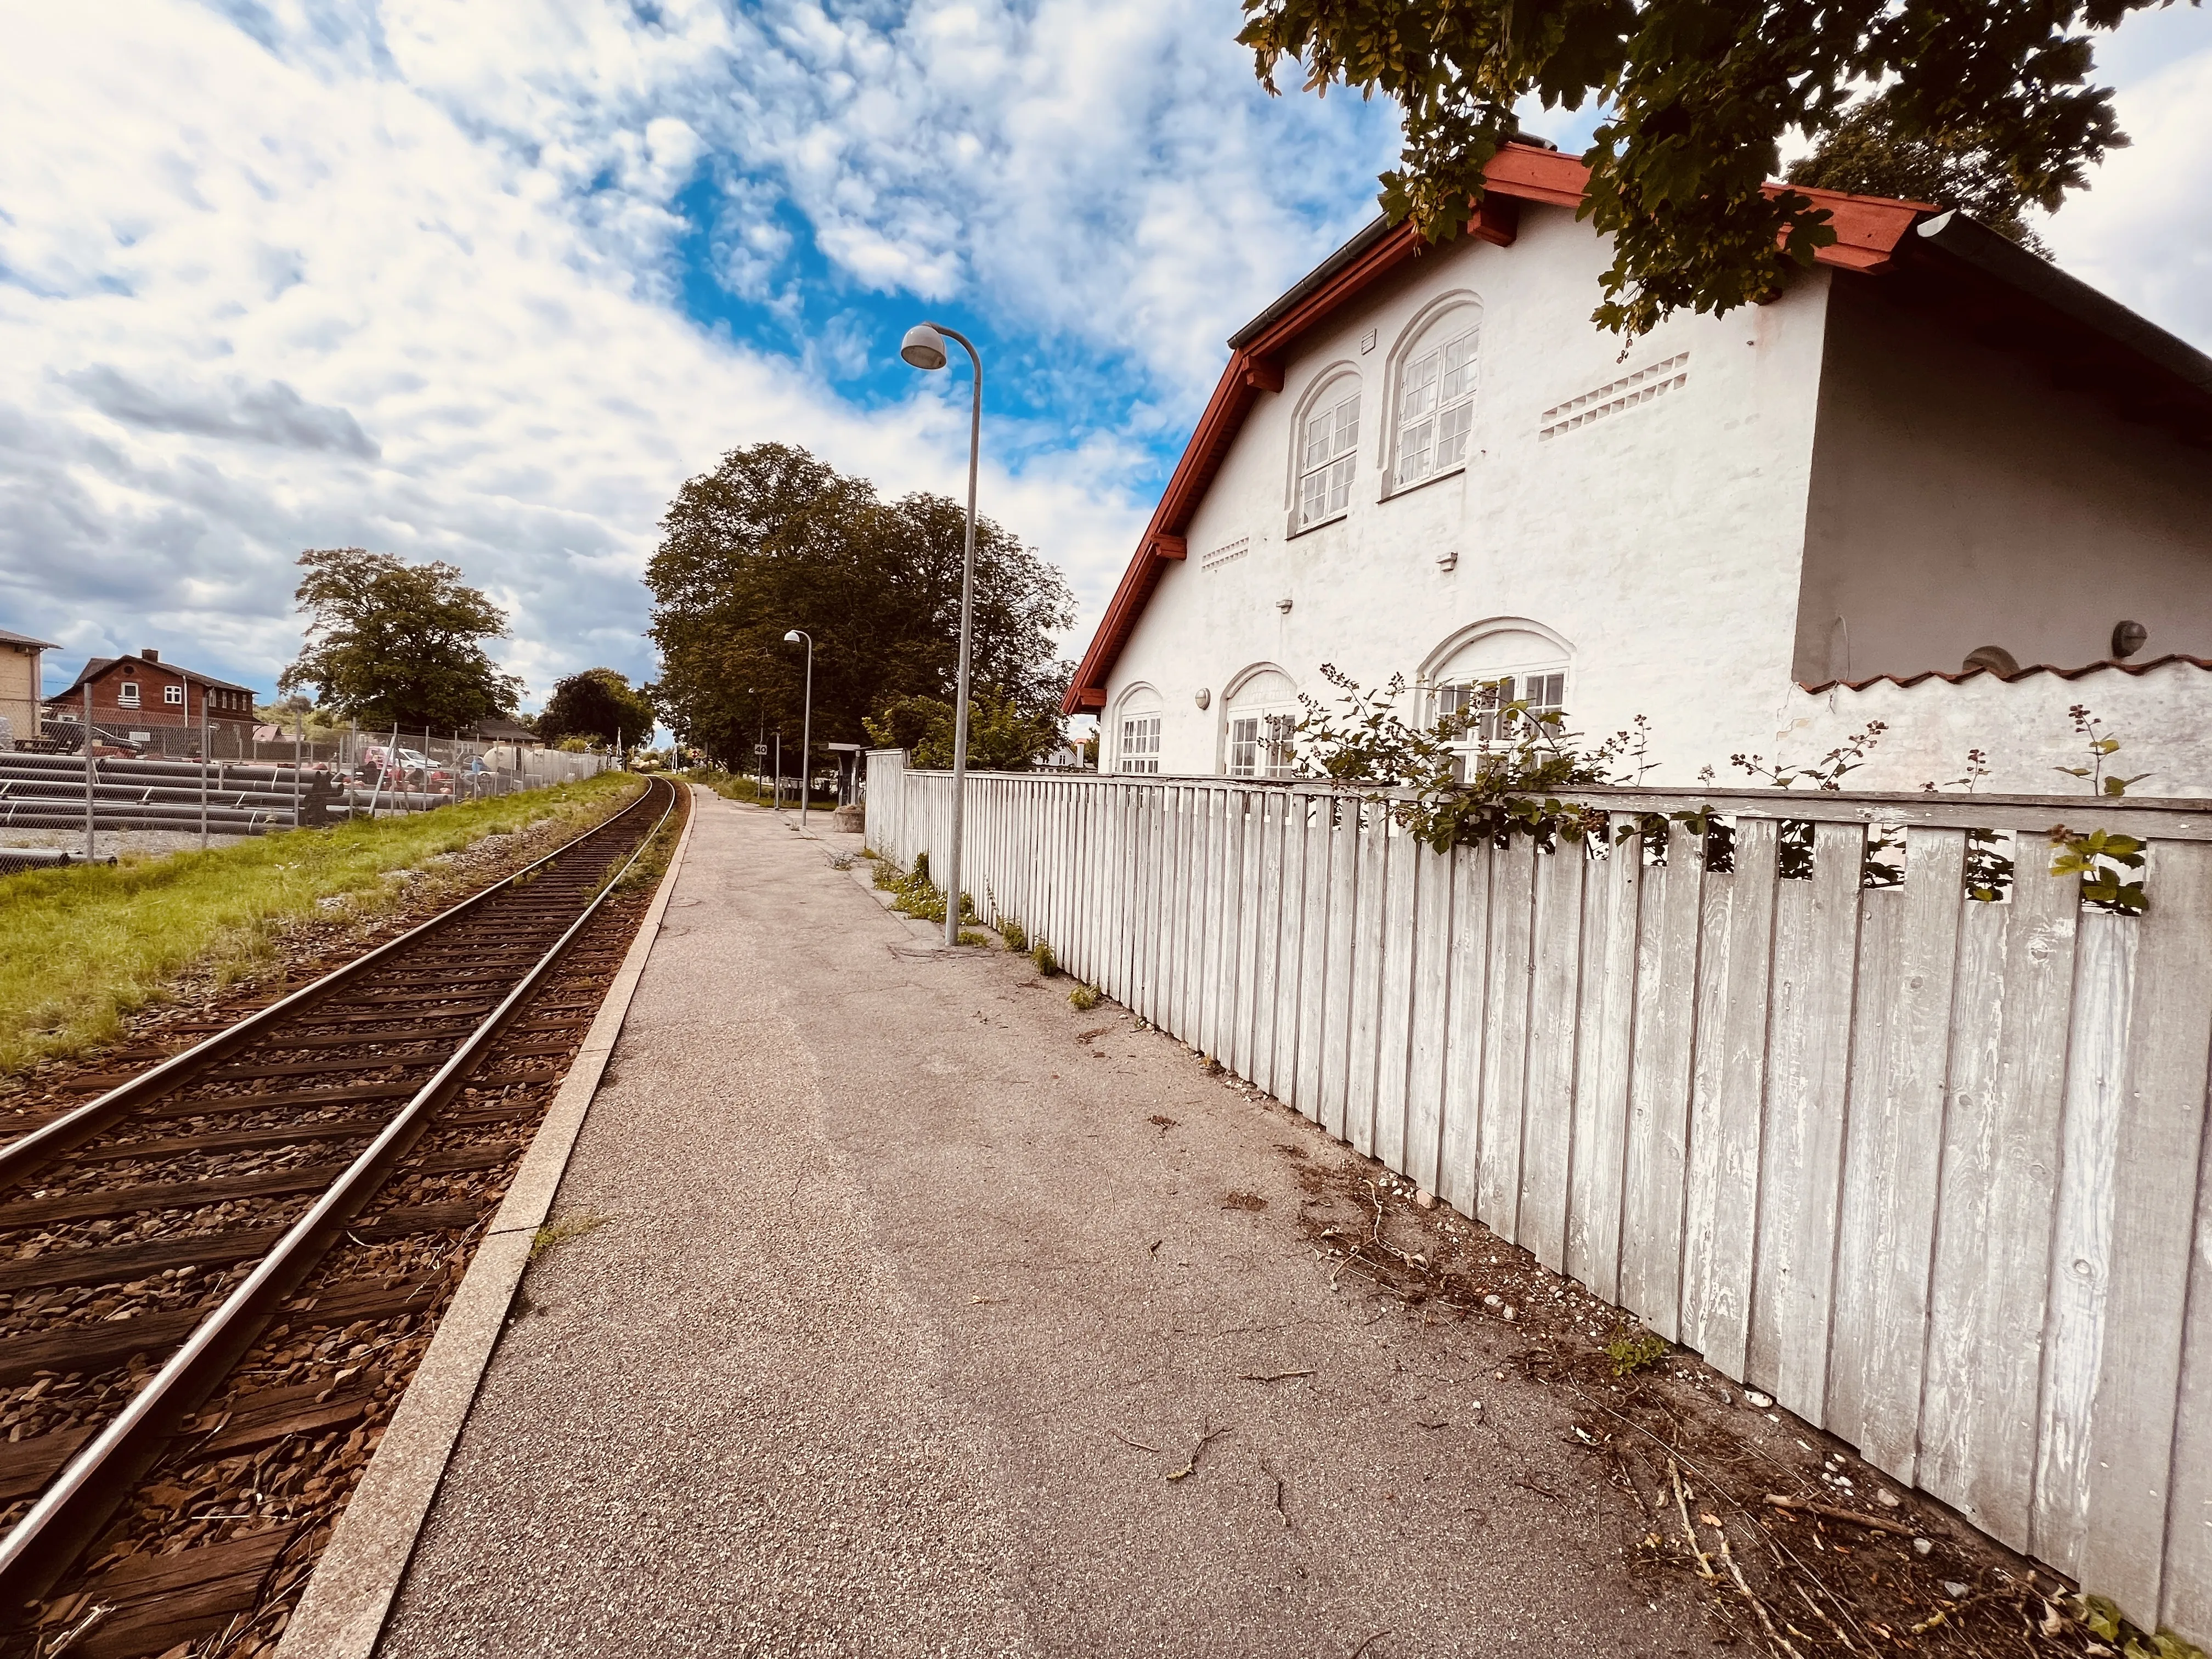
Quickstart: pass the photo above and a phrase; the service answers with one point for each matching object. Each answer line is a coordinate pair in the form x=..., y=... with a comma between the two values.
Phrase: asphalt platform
x=901, y=1308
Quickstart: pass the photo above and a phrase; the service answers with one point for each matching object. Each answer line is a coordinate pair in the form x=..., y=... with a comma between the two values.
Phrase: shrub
x=1047, y=964
x=1084, y=997
x=1017, y=938
x=1635, y=1352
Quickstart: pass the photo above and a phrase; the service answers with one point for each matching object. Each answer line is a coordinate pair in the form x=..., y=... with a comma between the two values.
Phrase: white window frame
x=173, y=694
x=1325, y=455
x=1262, y=745
x=1433, y=403
x=126, y=694
x=1493, y=692
x=1139, y=748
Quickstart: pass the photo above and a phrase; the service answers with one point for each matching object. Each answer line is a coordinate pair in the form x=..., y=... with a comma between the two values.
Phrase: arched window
x=1484, y=669
x=1137, y=743
x=1327, y=451
x=1259, y=719
x=1436, y=380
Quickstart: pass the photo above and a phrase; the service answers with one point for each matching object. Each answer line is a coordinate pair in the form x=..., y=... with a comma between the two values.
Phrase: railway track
x=218, y=1275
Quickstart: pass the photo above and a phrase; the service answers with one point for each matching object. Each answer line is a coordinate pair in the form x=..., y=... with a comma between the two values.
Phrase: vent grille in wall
x=1616, y=396
x=1226, y=552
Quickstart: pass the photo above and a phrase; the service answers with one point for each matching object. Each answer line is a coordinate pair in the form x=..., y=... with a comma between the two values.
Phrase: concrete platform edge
x=342, y=1614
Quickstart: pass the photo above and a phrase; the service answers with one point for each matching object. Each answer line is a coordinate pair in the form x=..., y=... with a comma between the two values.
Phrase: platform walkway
x=894, y=1271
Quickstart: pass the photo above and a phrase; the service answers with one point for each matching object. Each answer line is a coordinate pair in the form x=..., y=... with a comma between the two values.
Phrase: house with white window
x=1935, y=482
x=131, y=697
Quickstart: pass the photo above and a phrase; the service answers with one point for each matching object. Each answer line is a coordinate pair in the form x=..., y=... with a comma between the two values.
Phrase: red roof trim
x=1868, y=230
x=2021, y=674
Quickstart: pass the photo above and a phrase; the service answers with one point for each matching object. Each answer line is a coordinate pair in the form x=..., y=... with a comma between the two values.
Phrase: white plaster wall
x=2162, y=717
x=1961, y=499
x=1663, y=541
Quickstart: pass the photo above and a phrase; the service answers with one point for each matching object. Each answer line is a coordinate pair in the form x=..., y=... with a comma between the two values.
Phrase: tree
x=389, y=643
x=598, y=704
x=1001, y=737
x=1871, y=153
x=773, y=539
x=1697, y=96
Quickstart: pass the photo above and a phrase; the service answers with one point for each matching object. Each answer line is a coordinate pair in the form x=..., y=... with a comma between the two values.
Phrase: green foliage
x=1001, y=735
x=82, y=947
x=1634, y=1352
x=1444, y=791
x=917, y=895
x=967, y=935
x=1084, y=997
x=389, y=643
x=2111, y=867
x=773, y=539
x=1794, y=842
x=1871, y=153
x=597, y=705
x=1697, y=98
x=2103, y=1619
x=2102, y=746
x=1042, y=959
x=1016, y=937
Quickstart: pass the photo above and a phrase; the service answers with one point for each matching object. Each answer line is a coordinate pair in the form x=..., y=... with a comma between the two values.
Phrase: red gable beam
x=1866, y=234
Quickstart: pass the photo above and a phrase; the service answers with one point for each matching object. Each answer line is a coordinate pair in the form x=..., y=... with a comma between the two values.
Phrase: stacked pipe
x=46, y=792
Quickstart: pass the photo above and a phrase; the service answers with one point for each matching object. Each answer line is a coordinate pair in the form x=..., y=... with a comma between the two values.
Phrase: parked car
x=410, y=768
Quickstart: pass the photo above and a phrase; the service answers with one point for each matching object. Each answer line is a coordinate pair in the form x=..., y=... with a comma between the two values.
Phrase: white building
x=1760, y=530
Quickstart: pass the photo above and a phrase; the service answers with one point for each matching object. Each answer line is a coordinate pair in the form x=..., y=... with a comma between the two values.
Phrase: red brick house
x=141, y=691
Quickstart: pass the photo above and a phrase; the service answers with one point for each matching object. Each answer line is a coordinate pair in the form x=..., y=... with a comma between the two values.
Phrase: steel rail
x=79, y=1500
x=23, y=1154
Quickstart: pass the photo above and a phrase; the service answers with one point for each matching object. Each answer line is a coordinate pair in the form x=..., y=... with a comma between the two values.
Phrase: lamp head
x=792, y=638
x=923, y=347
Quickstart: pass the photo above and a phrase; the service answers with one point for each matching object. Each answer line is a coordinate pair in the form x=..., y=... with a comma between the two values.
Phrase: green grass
x=732, y=786
x=82, y=947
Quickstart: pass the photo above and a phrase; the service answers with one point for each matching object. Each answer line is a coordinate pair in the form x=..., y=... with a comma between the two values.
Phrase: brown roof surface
x=94, y=667
x=2025, y=673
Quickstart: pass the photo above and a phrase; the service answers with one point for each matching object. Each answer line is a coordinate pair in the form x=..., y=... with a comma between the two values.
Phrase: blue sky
x=488, y=283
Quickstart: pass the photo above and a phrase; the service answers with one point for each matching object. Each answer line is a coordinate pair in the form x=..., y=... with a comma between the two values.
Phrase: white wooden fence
x=1927, y=1169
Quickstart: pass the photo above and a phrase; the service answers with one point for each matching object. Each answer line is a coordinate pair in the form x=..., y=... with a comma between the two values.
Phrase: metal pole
x=91, y=770
x=806, y=728
x=298, y=718
x=779, y=771
x=204, y=768
x=967, y=619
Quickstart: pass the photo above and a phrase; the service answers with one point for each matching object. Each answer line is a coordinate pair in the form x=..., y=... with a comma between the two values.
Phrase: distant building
x=496, y=730
x=140, y=692
x=19, y=685
x=1935, y=482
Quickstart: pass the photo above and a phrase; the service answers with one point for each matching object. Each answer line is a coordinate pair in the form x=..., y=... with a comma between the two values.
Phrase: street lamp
x=924, y=348
x=806, y=728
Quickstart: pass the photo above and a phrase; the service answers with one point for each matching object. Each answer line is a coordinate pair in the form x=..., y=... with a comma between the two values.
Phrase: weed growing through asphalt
x=554, y=1234
x=1046, y=963
x=1635, y=1352
x=1015, y=935
x=1084, y=997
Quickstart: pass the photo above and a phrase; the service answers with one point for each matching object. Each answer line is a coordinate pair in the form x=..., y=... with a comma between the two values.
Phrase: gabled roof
x=1998, y=291
x=96, y=667
x=8, y=636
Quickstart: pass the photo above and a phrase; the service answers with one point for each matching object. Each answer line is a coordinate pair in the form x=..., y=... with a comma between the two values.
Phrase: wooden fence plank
x=1458, y=1181
x=1394, y=1032
x=1506, y=1017
x=1370, y=907
x=1336, y=1013
x=1221, y=847
x=1659, y=1085
x=1429, y=1016
x=2161, y=1128
x=1802, y=1151
x=2186, y=1601
x=1997, y=1205
x=1891, y=1180
x=1604, y=1046
x=1547, y=1092
x=2081, y=1246
x=1727, y=1109
x=1290, y=966
x=1267, y=953
x=1313, y=964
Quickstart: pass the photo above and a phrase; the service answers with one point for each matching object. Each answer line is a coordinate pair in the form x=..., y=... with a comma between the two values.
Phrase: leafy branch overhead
x=1698, y=97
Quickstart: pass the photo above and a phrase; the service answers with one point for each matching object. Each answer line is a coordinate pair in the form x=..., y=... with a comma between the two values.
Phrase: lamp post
x=806, y=720
x=924, y=348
